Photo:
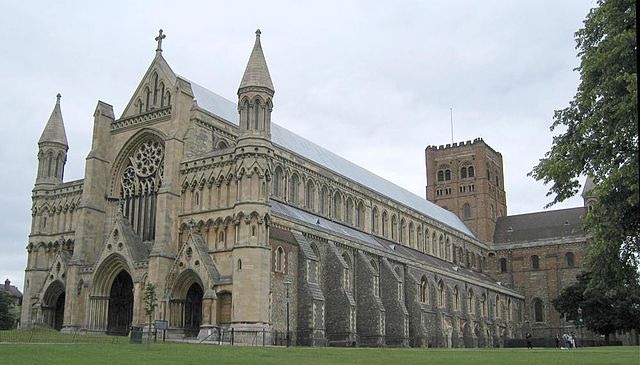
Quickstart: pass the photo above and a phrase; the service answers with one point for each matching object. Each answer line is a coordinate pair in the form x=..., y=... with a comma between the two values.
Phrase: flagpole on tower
x=451, y=115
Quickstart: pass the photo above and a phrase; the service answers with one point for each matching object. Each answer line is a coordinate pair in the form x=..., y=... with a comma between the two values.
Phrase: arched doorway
x=53, y=305
x=58, y=312
x=120, y=305
x=193, y=310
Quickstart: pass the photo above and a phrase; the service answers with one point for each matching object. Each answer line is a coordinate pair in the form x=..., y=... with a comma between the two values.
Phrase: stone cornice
x=143, y=119
x=542, y=242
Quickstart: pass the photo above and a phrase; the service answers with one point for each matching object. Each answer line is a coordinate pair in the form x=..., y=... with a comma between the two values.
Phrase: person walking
x=557, y=340
x=528, y=338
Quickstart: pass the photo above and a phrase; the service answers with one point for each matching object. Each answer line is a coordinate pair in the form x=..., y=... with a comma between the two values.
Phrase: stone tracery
x=140, y=183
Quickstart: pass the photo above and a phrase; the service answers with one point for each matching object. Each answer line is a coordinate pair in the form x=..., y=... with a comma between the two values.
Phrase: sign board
x=161, y=325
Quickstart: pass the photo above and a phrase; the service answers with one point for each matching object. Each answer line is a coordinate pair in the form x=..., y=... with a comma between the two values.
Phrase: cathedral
x=244, y=226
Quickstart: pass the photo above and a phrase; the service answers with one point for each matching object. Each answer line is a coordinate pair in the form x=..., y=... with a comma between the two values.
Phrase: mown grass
x=51, y=347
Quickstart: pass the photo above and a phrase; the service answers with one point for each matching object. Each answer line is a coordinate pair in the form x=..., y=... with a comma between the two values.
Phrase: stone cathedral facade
x=228, y=214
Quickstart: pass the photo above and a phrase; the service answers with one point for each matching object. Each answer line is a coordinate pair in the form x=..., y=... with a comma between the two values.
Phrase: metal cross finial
x=58, y=98
x=258, y=32
x=159, y=39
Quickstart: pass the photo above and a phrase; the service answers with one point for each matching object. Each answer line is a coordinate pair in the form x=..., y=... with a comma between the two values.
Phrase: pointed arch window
x=503, y=265
x=424, y=290
x=337, y=205
x=374, y=220
x=162, y=95
x=376, y=278
x=471, y=172
x=385, y=224
x=456, y=299
x=147, y=93
x=466, y=211
x=348, y=212
x=441, y=295
x=140, y=182
x=360, y=215
x=463, y=172
x=324, y=200
x=394, y=227
x=483, y=305
x=280, y=259
x=155, y=89
x=310, y=193
x=538, y=313
x=535, y=262
x=293, y=189
x=346, y=278
x=277, y=182
x=569, y=258
x=256, y=117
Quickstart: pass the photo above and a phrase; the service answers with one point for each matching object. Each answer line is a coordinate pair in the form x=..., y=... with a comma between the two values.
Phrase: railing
x=45, y=335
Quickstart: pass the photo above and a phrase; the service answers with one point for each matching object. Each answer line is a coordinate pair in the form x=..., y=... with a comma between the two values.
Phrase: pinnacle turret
x=257, y=73
x=54, y=130
x=255, y=98
x=52, y=149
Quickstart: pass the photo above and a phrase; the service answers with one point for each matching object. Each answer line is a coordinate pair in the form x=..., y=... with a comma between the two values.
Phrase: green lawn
x=176, y=353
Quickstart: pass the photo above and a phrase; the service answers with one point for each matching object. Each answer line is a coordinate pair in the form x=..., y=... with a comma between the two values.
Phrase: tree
x=7, y=318
x=600, y=139
x=150, y=304
x=601, y=313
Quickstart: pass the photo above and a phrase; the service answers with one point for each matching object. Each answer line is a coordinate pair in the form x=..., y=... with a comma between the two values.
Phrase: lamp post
x=287, y=283
x=580, y=324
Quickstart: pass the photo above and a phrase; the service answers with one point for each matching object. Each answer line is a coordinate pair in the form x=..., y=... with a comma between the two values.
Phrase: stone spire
x=54, y=130
x=588, y=193
x=52, y=150
x=257, y=73
x=588, y=186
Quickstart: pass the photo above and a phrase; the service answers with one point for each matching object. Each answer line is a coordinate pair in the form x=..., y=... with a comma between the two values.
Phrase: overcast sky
x=373, y=81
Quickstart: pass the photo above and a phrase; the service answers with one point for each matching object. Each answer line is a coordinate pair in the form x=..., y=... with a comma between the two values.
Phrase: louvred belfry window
x=141, y=180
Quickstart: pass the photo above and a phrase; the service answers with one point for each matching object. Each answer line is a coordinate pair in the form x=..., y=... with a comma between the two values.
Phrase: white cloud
x=369, y=80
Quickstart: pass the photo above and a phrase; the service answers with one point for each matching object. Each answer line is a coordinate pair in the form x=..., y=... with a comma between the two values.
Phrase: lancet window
x=140, y=181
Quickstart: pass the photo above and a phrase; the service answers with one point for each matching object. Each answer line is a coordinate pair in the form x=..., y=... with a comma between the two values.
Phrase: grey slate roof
x=373, y=241
x=12, y=290
x=539, y=225
x=227, y=110
x=302, y=216
x=434, y=261
x=54, y=130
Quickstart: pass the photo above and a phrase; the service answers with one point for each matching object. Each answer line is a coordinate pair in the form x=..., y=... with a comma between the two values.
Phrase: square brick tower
x=466, y=178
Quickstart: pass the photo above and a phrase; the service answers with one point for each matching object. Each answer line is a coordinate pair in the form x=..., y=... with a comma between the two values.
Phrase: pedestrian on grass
x=528, y=338
x=557, y=340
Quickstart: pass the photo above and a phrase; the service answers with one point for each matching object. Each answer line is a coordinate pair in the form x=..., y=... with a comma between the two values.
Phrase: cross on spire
x=159, y=39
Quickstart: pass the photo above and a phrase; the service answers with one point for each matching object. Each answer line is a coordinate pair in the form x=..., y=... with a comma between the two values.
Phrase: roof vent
x=456, y=268
x=499, y=283
x=393, y=247
x=318, y=221
x=566, y=223
x=510, y=229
